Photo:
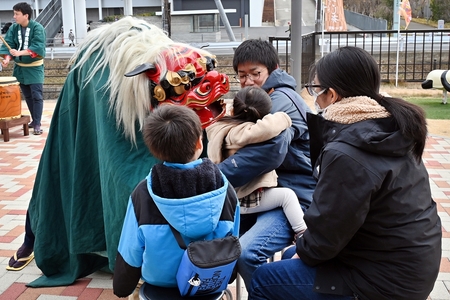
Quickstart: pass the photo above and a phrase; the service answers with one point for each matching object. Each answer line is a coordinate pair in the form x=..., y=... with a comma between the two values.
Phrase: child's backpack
x=206, y=266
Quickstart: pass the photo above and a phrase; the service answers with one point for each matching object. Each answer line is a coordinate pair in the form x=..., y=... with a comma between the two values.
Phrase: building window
x=205, y=23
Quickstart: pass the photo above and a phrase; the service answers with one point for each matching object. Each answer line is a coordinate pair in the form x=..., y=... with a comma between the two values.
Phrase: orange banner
x=405, y=12
x=334, y=16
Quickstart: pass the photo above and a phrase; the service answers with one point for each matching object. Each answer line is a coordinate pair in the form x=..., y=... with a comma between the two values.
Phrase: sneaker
x=31, y=125
x=37, y=130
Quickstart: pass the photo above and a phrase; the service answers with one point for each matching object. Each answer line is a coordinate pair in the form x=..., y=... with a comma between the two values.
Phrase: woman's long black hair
x=351, y=72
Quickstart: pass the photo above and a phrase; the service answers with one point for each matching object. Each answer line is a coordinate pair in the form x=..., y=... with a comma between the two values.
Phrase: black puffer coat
x=373, y=227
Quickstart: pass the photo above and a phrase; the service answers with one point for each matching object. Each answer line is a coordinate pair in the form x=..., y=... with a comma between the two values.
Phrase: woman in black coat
x=373, y=228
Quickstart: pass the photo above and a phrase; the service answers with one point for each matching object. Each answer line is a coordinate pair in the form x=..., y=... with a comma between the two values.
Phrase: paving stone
x=18, y=166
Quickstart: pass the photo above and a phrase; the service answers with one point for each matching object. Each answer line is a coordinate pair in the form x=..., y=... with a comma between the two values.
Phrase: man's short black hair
x=256, y=51
x=24, y=8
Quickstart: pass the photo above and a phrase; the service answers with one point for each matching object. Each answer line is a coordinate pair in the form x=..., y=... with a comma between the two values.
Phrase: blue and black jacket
x=195, y=198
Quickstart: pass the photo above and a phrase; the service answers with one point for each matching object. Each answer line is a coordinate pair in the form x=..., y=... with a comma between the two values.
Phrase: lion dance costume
x=95, y=155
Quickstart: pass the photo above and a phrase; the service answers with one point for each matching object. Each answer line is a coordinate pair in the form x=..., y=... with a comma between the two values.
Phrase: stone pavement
x=19, y=160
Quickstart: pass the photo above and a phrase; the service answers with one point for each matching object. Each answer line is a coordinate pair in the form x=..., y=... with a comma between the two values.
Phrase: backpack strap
x=293, y=95
x=178, y=237
x=142, y=191
x=229, y=199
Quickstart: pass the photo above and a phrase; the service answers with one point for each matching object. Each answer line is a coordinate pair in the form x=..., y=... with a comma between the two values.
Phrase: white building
x=75, y=14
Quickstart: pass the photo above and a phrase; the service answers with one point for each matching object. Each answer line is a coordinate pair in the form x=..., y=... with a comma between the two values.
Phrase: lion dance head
x=190, y=80
x=146, y=68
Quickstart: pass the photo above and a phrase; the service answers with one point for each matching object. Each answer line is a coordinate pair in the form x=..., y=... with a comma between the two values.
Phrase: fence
x=408, y=56
x=419, y=52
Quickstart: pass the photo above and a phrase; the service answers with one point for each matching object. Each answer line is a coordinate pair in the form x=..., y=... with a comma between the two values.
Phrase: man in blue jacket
x=256, y=63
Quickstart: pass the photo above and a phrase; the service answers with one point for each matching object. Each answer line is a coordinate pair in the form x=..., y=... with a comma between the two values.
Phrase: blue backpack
x=206, y=266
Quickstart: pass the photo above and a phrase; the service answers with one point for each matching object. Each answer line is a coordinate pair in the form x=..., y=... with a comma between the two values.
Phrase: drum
x=10, y=100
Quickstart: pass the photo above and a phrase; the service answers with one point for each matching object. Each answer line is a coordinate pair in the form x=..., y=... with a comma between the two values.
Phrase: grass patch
x=434, y=109
x=429, y=22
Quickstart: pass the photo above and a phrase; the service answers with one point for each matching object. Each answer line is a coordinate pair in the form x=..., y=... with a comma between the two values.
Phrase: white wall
x=8, y=4
x=6, y=11
x=120, y=3
x=256, y=11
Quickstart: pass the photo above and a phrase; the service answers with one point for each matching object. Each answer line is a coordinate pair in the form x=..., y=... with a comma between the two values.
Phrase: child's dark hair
x=250, y=104
x=24, y=8
x=171, y=133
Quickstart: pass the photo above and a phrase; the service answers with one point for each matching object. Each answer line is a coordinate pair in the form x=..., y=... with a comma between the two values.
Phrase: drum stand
x=6, y=124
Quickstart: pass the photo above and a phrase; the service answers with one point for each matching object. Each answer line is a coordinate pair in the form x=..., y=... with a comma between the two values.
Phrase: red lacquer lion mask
x=189, y=79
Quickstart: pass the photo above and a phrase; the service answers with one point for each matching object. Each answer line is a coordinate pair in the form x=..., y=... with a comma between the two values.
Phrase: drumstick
x=4, y=42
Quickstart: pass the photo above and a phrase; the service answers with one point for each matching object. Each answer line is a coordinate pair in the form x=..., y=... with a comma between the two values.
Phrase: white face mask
x=315, y=95
x=318, y=109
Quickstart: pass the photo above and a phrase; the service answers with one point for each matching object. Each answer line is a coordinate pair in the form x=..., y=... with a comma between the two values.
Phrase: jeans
x=33, y=94
x=287, y=279
x=270, y=234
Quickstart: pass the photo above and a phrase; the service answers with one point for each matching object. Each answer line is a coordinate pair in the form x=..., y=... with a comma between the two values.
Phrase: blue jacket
x=195, y=198
x=288, y=153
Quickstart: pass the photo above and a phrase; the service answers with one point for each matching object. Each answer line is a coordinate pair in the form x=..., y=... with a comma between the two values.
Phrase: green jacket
x=84, y=180
x=35, y=42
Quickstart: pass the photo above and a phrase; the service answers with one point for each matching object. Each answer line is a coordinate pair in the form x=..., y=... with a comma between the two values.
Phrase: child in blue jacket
x=185, y=191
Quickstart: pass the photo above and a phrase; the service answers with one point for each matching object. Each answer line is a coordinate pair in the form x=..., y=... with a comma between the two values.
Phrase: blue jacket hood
x=194, y=211
x=279, y=78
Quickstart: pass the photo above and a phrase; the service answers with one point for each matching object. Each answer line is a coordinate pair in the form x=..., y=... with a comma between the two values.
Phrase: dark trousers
x=33, y=94
x=29, y=235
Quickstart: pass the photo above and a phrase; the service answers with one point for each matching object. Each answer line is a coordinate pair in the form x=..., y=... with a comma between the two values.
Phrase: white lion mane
x=122, y=46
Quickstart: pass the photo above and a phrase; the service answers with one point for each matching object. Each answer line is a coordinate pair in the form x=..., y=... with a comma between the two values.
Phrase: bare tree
x=384, y=8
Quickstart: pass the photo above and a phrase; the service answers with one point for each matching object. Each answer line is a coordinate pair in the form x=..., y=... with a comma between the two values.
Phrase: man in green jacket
x=25, y=44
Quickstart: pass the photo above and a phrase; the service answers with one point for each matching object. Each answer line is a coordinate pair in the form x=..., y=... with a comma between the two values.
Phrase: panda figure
x=438, y=79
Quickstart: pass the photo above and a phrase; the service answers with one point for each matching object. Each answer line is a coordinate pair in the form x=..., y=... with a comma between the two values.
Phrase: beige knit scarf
x=355, y=109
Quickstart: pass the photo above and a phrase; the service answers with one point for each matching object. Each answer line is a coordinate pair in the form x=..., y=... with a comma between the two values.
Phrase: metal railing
x=419, y=53
x=51, y=18
x=408, y=56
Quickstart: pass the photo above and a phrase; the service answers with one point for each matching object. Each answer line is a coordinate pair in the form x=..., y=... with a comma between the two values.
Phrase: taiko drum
x=10, y=101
